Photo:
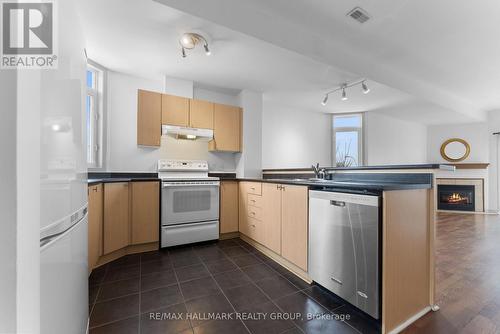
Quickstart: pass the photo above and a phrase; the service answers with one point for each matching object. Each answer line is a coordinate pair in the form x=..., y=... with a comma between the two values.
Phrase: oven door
x=189, y=201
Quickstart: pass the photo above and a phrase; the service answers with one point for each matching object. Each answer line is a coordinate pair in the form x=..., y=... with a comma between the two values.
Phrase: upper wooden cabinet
x=201, y=114
x=227, y=128
x=148, y=118
x=155, y=109
x=145, y=211
x=174, y=110
x=95, y=224
x=228, y=206
x=116, y=216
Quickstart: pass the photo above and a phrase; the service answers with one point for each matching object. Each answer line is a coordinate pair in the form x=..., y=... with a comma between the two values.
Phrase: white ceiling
x=444, y=51
x=140, y=37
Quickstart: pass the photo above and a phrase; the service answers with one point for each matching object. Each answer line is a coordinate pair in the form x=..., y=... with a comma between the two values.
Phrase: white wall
x=123, y=154
x=476, y=134
x=494, y=152
x=249, y=161
x=389, y=140
x=208, y=95
x=293, y=138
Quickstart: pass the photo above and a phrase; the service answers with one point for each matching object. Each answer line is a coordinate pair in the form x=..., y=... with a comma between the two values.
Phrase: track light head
x=207, y=50
x=366, y=90
x=183, y=52
x=325, y=100
x=344, y=95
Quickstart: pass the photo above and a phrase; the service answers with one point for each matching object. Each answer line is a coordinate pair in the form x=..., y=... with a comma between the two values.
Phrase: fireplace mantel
x=471, y=165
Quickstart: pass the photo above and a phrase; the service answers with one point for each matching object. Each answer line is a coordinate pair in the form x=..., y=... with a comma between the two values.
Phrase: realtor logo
x=28, y=35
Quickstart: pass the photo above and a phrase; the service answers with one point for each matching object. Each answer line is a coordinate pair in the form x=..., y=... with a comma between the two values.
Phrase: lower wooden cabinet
x=122, y=214
x=276, y=216
x=95, y=196
x=228, y=217
x=145, y=212
x=294, y=224
x=116, y=216
x=247, y=223
x=271, y=216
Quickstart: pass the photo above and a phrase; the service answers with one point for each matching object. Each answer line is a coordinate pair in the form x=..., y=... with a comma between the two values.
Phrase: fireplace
x=456, y=197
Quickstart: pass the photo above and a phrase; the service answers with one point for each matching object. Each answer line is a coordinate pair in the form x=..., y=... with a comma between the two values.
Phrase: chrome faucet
x=319, y=173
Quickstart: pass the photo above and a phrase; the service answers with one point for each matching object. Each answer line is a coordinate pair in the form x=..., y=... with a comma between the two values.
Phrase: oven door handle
x=180, y=185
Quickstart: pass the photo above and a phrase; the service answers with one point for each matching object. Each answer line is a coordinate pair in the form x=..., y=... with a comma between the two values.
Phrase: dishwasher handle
x=342, y=199
x=337, y=203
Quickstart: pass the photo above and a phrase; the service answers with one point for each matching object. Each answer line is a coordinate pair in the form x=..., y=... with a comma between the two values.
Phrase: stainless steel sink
x=311, y=180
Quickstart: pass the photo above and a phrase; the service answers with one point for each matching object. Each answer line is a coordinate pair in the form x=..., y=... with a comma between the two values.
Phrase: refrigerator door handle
x=61, y=226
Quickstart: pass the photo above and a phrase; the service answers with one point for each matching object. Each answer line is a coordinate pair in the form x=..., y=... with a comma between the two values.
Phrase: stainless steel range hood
x=180, y=132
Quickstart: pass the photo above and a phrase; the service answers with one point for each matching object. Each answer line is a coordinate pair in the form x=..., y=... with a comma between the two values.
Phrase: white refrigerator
x=63, y=182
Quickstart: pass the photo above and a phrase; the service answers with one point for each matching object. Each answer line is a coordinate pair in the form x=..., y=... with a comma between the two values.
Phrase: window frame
x=360, y=130
x=98, y=94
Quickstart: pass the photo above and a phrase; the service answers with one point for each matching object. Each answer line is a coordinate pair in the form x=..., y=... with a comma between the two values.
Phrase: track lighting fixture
x=343, y=88
x=189, y=40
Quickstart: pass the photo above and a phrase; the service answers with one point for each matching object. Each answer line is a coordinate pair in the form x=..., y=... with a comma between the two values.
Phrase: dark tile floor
x=191, y=289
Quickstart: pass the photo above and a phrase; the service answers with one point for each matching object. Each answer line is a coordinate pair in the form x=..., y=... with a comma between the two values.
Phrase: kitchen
x=205, y=174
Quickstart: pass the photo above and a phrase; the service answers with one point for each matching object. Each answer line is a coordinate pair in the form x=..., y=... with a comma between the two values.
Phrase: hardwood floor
x=467, y=276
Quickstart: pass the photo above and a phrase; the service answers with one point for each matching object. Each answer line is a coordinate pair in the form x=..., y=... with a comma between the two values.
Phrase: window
x=93, y=109
x=347, y=140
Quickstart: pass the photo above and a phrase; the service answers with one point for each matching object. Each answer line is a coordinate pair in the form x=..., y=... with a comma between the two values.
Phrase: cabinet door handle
x=253, y=225
x=252, y=213
x=252, y=200
x=283, y=188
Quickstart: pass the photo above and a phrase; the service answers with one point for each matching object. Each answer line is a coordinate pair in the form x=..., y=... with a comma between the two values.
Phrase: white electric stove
x=189, y=202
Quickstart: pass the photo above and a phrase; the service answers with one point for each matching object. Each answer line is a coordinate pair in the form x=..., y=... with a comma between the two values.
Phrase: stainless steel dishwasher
x=344, y=246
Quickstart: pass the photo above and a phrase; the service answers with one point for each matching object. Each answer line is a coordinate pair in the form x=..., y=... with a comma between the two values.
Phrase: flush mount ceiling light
x=189, y=40
x=343, y=88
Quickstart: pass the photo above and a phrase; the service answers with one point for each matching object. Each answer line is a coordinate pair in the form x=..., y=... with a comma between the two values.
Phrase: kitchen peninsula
x=275, y=217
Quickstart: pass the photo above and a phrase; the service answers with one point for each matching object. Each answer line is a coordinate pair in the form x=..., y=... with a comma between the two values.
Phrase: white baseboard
x=410, y=320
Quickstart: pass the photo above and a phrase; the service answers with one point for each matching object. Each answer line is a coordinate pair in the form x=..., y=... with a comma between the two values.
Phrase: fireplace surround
x=460, y=194
x=456, y=197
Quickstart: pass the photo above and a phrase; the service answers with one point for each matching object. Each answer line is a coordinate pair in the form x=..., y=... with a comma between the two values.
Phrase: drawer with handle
x=253, y=228
x=254, y=212
x=253, y=188
x=254, y=200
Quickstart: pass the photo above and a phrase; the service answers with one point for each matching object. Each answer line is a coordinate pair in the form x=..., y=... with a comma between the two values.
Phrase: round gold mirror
x=455, y=150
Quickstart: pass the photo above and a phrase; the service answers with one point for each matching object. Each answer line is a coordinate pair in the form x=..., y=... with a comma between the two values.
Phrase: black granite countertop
x=109, y=177
x=356, y=181
x=373, y=185
x=376, y=167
